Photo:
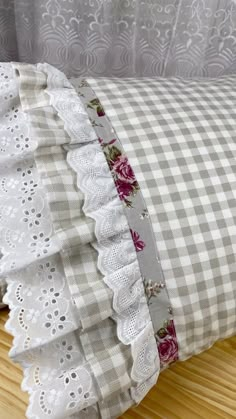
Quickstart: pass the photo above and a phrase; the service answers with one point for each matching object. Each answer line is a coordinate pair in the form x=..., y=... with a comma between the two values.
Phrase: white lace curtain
x=122, y=37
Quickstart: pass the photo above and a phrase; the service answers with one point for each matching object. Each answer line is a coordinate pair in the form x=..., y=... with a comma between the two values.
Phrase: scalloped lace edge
x=55, y=79
x=145, y=340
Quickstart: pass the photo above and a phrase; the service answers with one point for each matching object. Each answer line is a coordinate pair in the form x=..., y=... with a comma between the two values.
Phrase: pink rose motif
x=139, y=244
x=96, y=105
x=168, y=350
x=124, y=189
x=171, y=328
x=100, y=111
x=123, y=169
x=101, y=141
x=111, y=142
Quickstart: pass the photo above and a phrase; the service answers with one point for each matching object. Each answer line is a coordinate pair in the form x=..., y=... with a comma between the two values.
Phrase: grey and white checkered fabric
x=109, y=359
x=180, y=138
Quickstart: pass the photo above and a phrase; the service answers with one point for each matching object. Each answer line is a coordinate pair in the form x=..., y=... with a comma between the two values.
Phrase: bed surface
x=202, y=387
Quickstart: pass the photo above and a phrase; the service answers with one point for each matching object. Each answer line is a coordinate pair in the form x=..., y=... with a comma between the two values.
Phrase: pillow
x=179, y=136
x=117, y=231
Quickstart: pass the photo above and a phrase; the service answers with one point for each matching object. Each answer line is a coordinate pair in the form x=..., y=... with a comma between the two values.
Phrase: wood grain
x=202, y=387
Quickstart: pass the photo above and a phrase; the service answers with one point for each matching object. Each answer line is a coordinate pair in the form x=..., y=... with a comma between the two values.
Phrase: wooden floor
x=202, y=387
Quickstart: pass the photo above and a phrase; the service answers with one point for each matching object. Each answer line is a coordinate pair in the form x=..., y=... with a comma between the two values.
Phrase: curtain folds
x=122, y=37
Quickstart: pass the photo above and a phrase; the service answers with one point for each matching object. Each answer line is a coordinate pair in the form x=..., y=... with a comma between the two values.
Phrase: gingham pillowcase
x=179, y=136
x=110, y=361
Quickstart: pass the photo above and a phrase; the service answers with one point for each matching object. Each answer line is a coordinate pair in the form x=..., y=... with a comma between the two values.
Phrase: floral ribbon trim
x=140, y=225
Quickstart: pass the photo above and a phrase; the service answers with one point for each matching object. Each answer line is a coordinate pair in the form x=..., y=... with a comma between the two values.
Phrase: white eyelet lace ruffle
x=53, y=335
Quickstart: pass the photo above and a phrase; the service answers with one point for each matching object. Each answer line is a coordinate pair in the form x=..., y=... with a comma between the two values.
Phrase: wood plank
x=201, y=387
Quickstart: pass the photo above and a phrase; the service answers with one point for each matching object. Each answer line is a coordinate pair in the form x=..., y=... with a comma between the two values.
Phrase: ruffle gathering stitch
x=116, y=368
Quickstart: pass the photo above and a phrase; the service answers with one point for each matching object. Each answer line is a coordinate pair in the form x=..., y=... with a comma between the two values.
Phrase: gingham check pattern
x=180, y=138
x=110, y=360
